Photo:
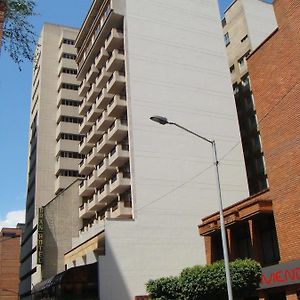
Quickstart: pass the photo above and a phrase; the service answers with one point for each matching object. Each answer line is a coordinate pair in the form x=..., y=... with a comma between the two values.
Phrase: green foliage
x=19, y=39
x=164, y=288
x=208, y=282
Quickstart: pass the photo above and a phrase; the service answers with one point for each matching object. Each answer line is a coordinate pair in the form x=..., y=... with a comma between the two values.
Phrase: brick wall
x=9, y=264
x=274, y=70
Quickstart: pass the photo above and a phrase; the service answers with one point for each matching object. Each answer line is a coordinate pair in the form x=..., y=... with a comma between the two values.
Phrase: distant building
x=246, y=24
x=10, y=239
x=266, y=226
x=137, y=59
x=53, y=156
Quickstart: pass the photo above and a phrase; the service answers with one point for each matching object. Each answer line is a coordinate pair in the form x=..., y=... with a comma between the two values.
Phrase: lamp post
x=164, y=121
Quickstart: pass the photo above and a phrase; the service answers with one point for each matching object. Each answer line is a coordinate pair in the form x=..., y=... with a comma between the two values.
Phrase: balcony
x=93, y=158
x=114, y=41
x=104, y=170
x=92, y=94
x=85, y=168
x=104, y=146
x=116, y=83
x=66, y=78
x=84, y=107
x=89, y=231
x=85, y=126
x=62, y=182
x=84, y=191
x=93, y=181
x=85, y=147
x=66, y=145
x=119, y=211
x=101, y=58
x=118, y=156
x=93, y=113
x=66, y=127
x=67, y=94
x=94, y=135
x=92, y=74
x=119, y=183
x=65, y=110
x=116, y=61
x=104, y=122
x=65, y=163
x=117, y=131
x=83, y=88
x=102, y=78
x=116, y=107
x=103, y=99
x=104, y=195
x=84, y=212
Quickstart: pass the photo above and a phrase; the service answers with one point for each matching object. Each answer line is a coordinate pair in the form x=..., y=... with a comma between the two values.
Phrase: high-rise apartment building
x=146, y=185
x=53, y=137
x=246, y=24
x=266, y=226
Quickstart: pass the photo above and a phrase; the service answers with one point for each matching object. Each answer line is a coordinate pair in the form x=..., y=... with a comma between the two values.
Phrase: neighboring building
x=246, y=24
x=10, y=239
x=266, y=226
x=53, y=156
x=146, y=185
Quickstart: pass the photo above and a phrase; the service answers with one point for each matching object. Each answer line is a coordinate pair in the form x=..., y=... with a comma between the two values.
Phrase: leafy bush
x=208, y=282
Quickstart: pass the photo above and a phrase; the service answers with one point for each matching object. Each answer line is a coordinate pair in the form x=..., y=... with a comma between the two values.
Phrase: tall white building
x=246, y=24
x=148, y=186
x=53, y=139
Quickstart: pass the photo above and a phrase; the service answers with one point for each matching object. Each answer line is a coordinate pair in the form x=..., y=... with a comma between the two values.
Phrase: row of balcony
x=115, y=109
x=114, y=83
x=105, y=168
x=118, y=184
x=114, y=63
x=115, y=133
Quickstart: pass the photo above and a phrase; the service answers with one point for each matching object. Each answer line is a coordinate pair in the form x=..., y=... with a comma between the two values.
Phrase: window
x=69, y=102
x=68, y=41
x=68, y=56
x=242, y=240
x=70, y=154
x=71, y=137
x=68, y=119
x=244, y=38
x=269, y=242
x=232, y=68
x=242, y=60
x=69, y=71
x=227, y=39
x=68, y=173
x=70, y=86
x=224, y=22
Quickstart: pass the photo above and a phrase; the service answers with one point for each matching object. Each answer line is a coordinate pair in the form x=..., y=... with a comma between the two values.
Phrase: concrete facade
x=246, y=24
x=274, y=72
x=53, y=156
x=146, y=185
x=9, y=263
x=61, y=223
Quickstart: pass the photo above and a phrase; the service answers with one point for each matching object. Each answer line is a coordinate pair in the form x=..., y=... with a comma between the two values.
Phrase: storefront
x=75, y=283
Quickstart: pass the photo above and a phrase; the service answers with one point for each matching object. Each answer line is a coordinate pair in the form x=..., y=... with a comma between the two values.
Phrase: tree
x=19, y=38
x=208, y=282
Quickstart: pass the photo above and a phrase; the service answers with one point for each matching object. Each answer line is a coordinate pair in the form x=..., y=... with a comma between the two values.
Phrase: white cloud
x=13, y=218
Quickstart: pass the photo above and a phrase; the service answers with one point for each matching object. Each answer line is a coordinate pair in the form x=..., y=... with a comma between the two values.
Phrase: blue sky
x=15, y=89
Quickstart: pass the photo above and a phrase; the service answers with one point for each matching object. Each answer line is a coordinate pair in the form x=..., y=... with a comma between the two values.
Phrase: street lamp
x=164, y=121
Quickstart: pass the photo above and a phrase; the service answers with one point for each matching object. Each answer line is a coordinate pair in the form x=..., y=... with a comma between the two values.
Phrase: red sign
x=280, y=275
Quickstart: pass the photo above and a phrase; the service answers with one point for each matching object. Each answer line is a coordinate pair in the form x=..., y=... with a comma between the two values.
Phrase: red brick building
x=266, y=226
x=9, y=263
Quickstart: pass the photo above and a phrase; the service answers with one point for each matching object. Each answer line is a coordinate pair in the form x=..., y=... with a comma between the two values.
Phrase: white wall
x=261, y=20
x=176, y=66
